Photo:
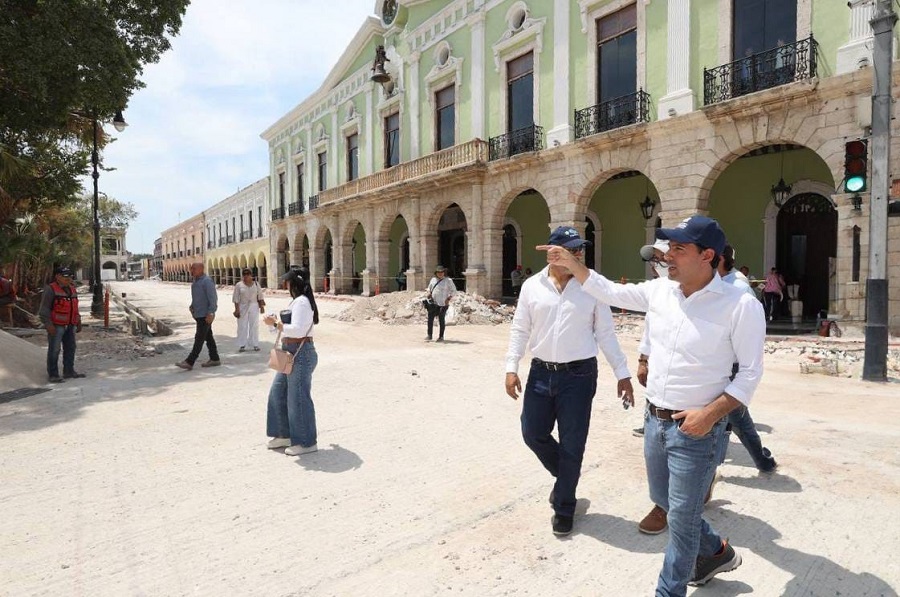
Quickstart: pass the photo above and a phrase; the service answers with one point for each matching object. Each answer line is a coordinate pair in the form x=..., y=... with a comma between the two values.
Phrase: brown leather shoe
x=211, y=363
x=184, y=365
x=655, y=522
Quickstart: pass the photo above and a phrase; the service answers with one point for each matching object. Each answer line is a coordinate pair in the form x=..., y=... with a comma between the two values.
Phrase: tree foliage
x=64, y=63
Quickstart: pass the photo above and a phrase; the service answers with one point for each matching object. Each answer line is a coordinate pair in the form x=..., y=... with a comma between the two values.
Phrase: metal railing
x=613, y=114
x=210, y=244
x=295, y=209
x=259, y=232
x=523, y=140
x=465, y=154
x=278, y=213
x=765, y=70
x=246, y=235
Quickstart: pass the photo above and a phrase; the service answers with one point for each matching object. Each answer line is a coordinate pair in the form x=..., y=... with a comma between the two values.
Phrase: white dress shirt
x=247, y=295
x=301, y=324
x=561, y=327
x=694, y=341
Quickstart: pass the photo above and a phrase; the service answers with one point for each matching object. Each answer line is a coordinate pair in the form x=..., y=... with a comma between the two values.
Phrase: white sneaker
x=278, y=442
x=298, y=450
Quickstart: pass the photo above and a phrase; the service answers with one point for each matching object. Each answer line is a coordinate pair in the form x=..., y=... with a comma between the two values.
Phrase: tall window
x=445, y=117
x=353, y=157
x=761, y=25
x=520, y=92
x=233, y=227
x=250, y=222
x=242, y=223
x=617, y=54
x=193, y=242
x=281, y=189
x=392, y=140
x=299, y=184
x=220, y=231
x=259, y=218
x=323, y=171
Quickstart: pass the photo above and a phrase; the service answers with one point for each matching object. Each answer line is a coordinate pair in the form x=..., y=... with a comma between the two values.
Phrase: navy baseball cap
x=698, y=230
x=568, y=237
x=63, y=271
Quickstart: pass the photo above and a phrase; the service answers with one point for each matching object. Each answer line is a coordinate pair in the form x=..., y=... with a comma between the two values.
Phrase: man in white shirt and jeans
x=701, y=327
x=249, y=302
x=563, y=327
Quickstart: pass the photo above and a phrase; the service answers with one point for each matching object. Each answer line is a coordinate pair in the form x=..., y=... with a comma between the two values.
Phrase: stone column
x=334, y=159
x=562, y=131
x=316, y=267
x=415, y=273
x=368, y=140
x=857, y=52
x=493, y=262
x=384, y=278
x=413, y=106
x=679, y=98
x=370, y=271
x=476, y=274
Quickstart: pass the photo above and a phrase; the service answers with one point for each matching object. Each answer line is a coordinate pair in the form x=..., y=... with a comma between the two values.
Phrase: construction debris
x=405, y=308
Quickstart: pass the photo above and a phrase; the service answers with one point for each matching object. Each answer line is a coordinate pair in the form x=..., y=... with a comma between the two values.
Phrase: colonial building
x=156, y=268
x=237, y=232
x=461, y=132
x=113, y=254
x=182, y=246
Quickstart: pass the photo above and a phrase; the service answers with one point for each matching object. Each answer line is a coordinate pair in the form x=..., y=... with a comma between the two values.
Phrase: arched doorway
x=526, y=225
x=806, y=248
x=452, y=243
x=398, y=257
x=328, y=248
x=286, y=257
x=510, y=256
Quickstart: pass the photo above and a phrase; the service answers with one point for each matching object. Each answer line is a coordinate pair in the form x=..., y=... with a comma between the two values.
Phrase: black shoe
x=638, y=432
x=74, y=375
x=707, y=568
x=562, y=525
x=770, y=465
x=56, y=379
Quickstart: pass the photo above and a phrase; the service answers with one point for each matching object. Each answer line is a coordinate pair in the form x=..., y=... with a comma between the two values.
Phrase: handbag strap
x=301, y=344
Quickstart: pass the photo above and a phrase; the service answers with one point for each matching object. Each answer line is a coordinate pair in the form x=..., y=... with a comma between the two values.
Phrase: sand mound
x=23, y=364
x=403, y=308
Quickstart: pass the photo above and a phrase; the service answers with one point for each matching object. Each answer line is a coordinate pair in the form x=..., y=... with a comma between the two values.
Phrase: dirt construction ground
x=146, y=480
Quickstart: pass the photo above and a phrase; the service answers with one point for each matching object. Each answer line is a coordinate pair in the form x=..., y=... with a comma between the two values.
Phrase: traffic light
x=856, y=157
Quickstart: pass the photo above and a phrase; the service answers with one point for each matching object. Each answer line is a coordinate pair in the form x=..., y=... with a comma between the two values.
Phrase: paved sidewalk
x=147, y=480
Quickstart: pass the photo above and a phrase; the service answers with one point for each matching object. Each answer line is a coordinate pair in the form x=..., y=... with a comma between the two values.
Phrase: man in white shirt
x=562, y=326
x=701, y=326
x=248, y=297
x=440, y=289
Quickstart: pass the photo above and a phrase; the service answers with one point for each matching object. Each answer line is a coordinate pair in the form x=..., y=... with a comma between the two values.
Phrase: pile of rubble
x=404, y=308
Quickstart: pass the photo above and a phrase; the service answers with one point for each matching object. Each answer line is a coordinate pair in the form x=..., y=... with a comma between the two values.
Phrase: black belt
x=561, y=366
x=663, y=414
x=297, y=340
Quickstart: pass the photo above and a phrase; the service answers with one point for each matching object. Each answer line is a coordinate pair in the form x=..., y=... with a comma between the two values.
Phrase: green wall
x=533, y=217
x=739, y=198
x=657, y=38
x=359, y=235
x=825, y=13
x=704, y=43
x=622, y=226
x=398, y=229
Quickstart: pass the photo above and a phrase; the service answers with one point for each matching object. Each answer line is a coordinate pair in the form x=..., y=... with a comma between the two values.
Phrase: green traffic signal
x=854, y=184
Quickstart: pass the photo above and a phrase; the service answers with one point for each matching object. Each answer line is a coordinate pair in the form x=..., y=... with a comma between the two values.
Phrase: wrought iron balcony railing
x=613, y=114
x=529, y=138
x=259, y=232
x=278, y=213
x=221, y=240
x=765, y=70
x=210, y=244
x=295, y=209
x=465, y=154
x=246, y=235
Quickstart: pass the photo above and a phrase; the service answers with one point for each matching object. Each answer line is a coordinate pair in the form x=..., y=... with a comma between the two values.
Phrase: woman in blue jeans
x=291, y=420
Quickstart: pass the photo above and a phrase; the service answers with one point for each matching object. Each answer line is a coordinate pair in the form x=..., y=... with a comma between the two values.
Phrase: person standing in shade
x=516, y=277
x=60, y=316
x=563, y=327
x=249, y=301
x=291, y=418
x=204, y=303
x=773, y=292
x=700, y=327
x=440, y=289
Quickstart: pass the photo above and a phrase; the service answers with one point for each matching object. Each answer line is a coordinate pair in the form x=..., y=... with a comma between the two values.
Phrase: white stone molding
x=562, y=131
x=679, y=98
x=478, y=71
x=804, y=18
x=414, y=113
x=598, y=235
x=726, y=33
x=369, y=138
x=857, y=52
x=770, y=217
x=529, y=38
x=450, y=19
x=334, y=171
x=507, y=221
x=594, y=10
x=440, y=77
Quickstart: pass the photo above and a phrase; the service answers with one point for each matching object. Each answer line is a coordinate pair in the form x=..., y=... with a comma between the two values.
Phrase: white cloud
x=235, y=69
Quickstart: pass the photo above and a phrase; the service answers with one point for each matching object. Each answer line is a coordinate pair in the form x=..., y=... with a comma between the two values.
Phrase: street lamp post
x=97, y=300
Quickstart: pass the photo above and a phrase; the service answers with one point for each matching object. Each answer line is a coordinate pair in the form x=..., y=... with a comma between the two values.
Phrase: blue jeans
x=291, y=411
x=679, y=470
x=563, y=398
x=741, y=423
x=65, y=338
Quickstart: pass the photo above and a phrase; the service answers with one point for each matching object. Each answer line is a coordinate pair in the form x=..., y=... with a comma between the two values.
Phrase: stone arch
x=495, y=216
x=588, y=187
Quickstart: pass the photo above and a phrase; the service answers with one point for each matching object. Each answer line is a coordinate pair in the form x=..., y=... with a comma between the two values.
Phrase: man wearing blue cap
x=60, y=316
x=701, y=326
x=563, y=327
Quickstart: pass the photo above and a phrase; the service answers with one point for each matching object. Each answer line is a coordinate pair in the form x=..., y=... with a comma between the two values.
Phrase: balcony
x=529, y=138
x=210, y=244
x=295, y=209
x=465, y=154
x=278, y=213
x=229, y=239
x=221, y=241
x=246, y=235
x=259, y=232
x=613, y=114
x=765, y=70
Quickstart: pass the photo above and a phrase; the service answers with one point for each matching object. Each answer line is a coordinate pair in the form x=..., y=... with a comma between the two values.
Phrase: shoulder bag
x=282, y=361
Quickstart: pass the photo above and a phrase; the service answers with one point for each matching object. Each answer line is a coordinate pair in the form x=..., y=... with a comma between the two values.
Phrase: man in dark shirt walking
x=203, y=309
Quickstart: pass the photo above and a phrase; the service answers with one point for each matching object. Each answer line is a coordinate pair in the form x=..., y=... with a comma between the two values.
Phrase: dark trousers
x=63, y=338
x=440, y=313
x=203, y=334
x=741, y=423
x=563, y=398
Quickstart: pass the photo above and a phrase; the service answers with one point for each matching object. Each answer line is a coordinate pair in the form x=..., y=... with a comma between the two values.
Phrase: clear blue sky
x=193, y=134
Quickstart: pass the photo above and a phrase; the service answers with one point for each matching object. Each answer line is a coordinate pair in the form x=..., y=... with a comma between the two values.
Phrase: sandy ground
x=147, y=480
